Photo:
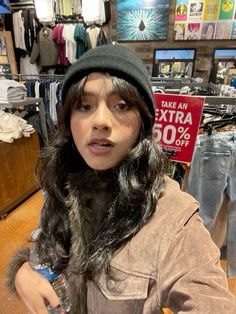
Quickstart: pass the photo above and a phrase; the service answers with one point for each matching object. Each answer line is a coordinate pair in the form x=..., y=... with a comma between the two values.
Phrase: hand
x=34, y=290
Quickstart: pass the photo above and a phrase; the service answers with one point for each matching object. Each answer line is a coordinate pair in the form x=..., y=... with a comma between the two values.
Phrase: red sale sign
x=176, y=124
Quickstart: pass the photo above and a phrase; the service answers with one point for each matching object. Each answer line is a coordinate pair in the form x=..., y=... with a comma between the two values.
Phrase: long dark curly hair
x=138, y=178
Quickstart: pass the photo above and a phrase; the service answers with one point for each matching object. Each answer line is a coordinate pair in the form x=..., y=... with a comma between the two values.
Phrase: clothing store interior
x=39, y=40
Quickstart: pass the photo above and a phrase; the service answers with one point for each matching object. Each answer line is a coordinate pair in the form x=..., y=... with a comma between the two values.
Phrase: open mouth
x=99, y=147
x=101, y=143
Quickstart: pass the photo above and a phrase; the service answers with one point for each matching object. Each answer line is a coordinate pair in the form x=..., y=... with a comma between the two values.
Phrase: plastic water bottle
x=58, y=282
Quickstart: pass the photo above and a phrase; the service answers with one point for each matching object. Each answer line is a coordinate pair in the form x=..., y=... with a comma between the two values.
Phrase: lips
x=101, y=143
x=100, y=146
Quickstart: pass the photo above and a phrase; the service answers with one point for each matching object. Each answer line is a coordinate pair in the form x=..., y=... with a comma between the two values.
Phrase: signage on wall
x=176, y=124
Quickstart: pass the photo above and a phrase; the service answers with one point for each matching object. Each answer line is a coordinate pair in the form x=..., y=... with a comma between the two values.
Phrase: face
x=104, y=127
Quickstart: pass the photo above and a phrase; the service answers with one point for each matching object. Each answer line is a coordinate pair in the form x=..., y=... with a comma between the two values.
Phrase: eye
x=122, y=106
x=84, y=107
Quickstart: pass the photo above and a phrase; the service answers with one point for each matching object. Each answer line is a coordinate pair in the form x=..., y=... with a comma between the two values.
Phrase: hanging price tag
x=176, y=124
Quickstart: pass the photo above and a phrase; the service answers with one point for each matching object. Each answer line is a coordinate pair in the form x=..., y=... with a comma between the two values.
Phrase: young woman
x=125, y=236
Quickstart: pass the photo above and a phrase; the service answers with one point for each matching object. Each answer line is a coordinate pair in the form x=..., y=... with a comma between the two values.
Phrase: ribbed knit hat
x=116, y=60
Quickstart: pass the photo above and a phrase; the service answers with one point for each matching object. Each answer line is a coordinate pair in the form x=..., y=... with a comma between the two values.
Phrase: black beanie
x=116, y=60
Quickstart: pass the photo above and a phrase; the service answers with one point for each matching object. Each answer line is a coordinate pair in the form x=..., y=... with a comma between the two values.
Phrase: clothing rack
x=67, y=19
x=171, y=86
x=21, y=5
x=219, y=100
x=175, y=84
x=48, y=90
x=25, y=77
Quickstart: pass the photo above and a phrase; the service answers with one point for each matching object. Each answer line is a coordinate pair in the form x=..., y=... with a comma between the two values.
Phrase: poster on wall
x=205, y=20
x=4, y=7
x=195, y=10
x=211, y=9
x=233, y=31
x=208, y=30
x=226, y=10
x=193, y=31
x=142, y=20
x=181, y=10
x=177, y=123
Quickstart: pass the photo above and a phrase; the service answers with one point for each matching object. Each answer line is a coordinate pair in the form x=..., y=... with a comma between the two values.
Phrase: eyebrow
x=94, y=94
x=88, y=93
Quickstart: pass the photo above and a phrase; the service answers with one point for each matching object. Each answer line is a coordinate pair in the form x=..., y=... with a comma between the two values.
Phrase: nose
x=102, y=118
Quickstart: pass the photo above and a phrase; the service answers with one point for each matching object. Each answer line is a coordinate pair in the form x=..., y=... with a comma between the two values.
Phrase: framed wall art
x=142, y=20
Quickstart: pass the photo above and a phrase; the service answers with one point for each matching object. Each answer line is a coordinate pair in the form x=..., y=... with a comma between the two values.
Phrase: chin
x=102, y=163
x=100, y=167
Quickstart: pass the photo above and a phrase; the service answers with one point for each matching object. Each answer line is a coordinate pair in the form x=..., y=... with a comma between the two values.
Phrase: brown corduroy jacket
x=170, y=263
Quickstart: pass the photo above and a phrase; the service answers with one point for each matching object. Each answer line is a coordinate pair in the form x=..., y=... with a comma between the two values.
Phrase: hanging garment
x=93, y=32
x=32, y=27
x=107, y=7
x=68, y=35
x=212, y=176
x=80, y=38
x=19, y=30
x=59, y=7
x=53, y=101
x=45, y=10
x=67, y=7
x=93, y=11
x=45, y=51
x=76, y=6
x=59, y=40
x=27, y=69
x=102, y=38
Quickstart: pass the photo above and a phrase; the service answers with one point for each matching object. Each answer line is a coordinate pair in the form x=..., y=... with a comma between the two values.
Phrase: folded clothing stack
x=11, y=91
x=13, y=127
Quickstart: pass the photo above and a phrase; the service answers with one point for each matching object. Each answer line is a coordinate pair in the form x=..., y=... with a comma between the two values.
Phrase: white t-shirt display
x=45, y=10
x=93, y=11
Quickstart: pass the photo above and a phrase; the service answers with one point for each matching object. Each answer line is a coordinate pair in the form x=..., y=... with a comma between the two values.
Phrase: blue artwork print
x=123, y=5
x=142, y=25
